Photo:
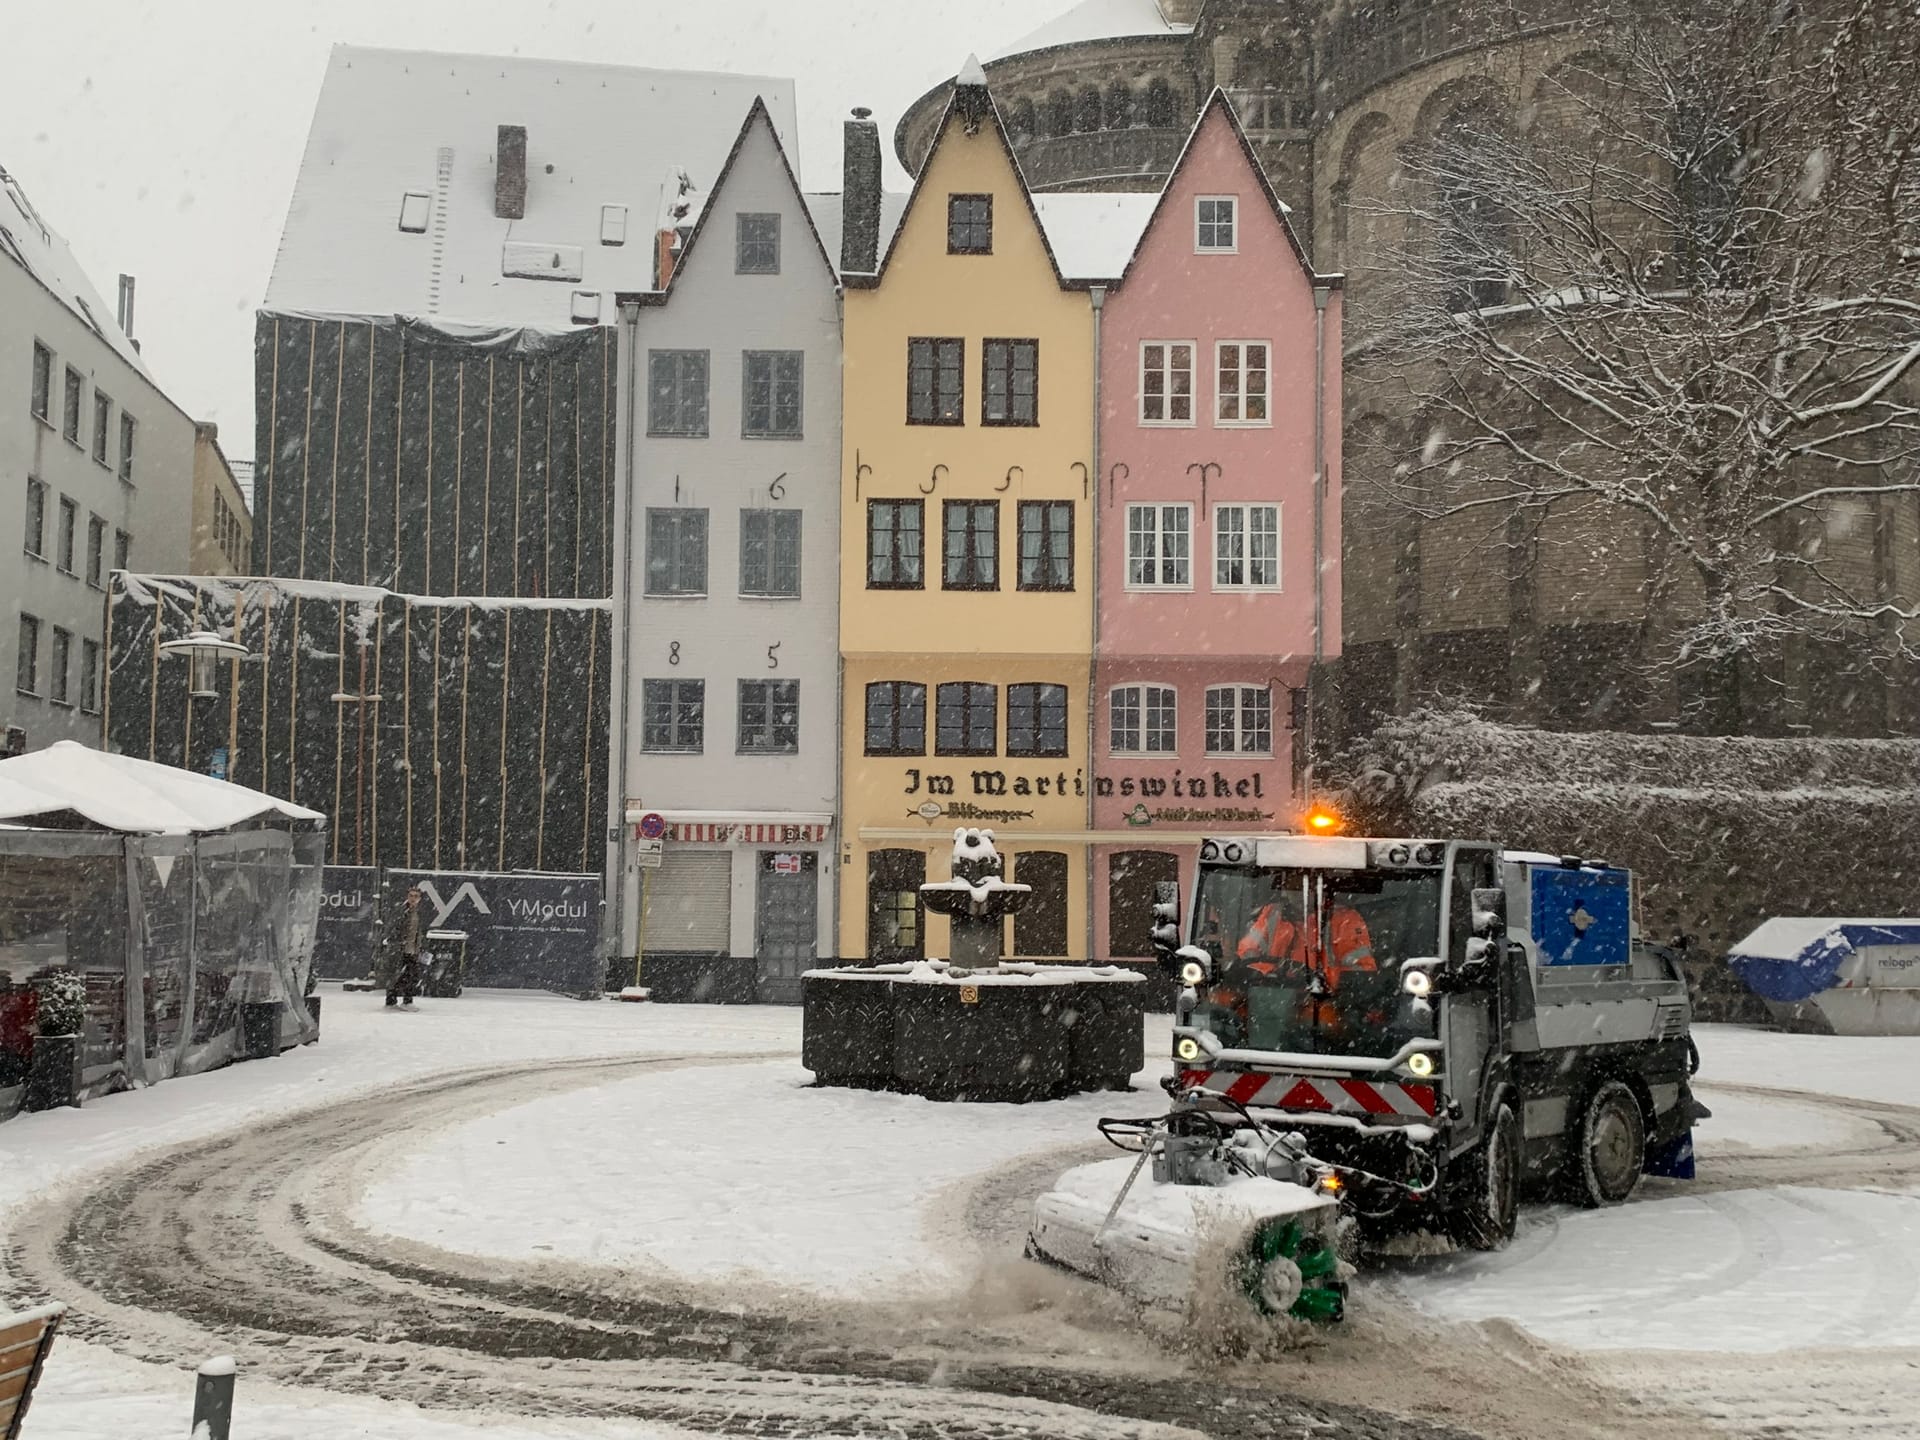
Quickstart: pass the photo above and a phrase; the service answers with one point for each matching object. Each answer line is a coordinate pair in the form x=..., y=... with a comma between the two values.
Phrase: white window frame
x=1240, y=749
x=1220, y=396
x=1244, y=509
x=1198, y=247
x=1139, y=689
x=1159, y=546
x=1167, y=371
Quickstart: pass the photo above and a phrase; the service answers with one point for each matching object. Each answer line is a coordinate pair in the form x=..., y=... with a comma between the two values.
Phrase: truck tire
x=1612, y=1140
x=1485, y=1221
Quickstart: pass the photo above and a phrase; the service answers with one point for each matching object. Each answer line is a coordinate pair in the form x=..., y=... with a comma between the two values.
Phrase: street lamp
x=204, y=649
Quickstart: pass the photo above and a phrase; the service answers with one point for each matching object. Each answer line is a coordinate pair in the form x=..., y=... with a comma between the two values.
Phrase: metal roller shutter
x=690, y=902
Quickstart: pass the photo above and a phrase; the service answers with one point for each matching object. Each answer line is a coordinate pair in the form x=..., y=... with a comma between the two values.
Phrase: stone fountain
x=977, y=899
x=975, y=1027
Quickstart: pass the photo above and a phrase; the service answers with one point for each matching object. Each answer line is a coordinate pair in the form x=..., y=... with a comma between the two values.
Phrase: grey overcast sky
x=161, y=137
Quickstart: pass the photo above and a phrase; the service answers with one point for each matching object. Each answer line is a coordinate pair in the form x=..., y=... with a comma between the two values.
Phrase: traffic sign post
x=649, y=849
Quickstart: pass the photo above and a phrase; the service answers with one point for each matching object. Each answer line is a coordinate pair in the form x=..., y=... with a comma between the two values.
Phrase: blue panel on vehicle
x=1582, y=917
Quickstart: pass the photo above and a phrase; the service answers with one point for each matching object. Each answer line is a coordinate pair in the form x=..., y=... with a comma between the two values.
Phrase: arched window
x=1058, y=119
x=1120, y=108
x=1134, y=878
x=1474, y=231
x=895, y=914
x=1086, y=111
x=1160, y=105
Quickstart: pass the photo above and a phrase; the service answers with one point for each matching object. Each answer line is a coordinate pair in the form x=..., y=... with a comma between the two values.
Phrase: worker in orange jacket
x=1277, y=938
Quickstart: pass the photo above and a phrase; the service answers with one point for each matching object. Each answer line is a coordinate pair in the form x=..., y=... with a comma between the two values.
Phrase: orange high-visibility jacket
x=1273, y=937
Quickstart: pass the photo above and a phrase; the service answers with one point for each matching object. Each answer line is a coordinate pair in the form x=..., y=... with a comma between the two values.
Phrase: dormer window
x=969, y=224
x=1215, y=230
x=415, y=207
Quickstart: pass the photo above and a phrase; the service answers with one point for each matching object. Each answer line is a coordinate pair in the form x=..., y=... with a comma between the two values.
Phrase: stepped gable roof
x=39, y=249
x=389, y=123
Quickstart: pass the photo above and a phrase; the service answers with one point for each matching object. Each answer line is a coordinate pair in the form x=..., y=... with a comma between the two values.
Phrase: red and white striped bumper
x=1373, y=1098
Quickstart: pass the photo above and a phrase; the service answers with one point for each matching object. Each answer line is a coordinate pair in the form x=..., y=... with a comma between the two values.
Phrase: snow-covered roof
x=27, y=238
x=1096, y=20
x=824, y=207
x=390, y=124
x=120, y=792
x=1094, y=236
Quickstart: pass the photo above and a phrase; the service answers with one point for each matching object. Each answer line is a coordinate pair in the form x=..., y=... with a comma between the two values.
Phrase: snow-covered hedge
x=1722, y=832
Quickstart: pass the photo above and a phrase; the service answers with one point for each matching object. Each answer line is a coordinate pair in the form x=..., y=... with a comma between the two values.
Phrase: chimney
x=860, y=195
x=125, y=307
x=510, y=173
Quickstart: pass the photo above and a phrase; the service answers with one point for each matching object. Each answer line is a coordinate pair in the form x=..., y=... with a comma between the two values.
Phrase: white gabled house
x=731, y=379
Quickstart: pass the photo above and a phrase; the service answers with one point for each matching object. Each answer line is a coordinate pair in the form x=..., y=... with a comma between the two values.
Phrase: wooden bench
x=24, y=1341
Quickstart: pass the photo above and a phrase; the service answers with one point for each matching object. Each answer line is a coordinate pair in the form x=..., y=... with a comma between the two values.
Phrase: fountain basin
x=1011, y=1032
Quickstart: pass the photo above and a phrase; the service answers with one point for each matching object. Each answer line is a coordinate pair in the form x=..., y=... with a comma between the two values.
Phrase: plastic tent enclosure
x=186, y=904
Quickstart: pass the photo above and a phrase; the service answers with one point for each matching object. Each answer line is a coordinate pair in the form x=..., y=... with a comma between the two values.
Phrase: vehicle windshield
x=1309, y=960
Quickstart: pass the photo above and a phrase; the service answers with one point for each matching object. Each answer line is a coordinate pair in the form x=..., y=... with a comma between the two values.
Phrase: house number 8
x=673, y=653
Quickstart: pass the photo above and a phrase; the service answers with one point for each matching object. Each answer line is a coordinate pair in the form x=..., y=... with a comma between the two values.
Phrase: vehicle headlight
x=1417, y=982
x=1193, y=973
x=1188, y=1048
x=1420, y=1064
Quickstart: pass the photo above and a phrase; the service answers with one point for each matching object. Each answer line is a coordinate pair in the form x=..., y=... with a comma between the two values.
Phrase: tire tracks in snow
x=245, y=1243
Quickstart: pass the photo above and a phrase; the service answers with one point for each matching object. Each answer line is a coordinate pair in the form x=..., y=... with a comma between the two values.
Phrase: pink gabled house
x=1206, y=605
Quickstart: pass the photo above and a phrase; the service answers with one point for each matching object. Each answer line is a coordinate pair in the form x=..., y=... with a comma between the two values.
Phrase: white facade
x=730, y=466
x=98, y=506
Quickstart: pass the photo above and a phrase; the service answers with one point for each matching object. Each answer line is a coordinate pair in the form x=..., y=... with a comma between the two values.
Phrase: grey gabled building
x=731, y=589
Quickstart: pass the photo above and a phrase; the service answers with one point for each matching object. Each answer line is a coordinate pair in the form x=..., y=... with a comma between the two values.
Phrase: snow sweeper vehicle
x=1405, y=1032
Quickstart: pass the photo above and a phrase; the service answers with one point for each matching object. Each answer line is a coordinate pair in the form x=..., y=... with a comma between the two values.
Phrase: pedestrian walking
x=403, y=953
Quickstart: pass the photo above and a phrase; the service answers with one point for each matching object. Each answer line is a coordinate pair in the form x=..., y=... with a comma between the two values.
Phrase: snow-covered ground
x=1747, y=1270
x=705, y=1171
x=364, y=1048
x=89, y=1393
x=715, y=1171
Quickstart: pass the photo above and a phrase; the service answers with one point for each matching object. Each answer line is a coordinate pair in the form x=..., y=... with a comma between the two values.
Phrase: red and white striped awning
x=695, y=827
x=709, y=832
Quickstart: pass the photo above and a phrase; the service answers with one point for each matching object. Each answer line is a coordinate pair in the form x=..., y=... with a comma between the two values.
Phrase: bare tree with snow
x=1679, y=291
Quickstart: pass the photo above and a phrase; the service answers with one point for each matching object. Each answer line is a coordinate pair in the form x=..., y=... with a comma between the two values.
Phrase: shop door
x=690, y=903
x=786, y=907
x=1040, y=926
x=1133, y=878
x=894, y=910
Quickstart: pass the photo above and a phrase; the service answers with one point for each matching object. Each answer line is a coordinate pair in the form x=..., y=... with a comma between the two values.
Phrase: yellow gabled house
x=966, y=599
